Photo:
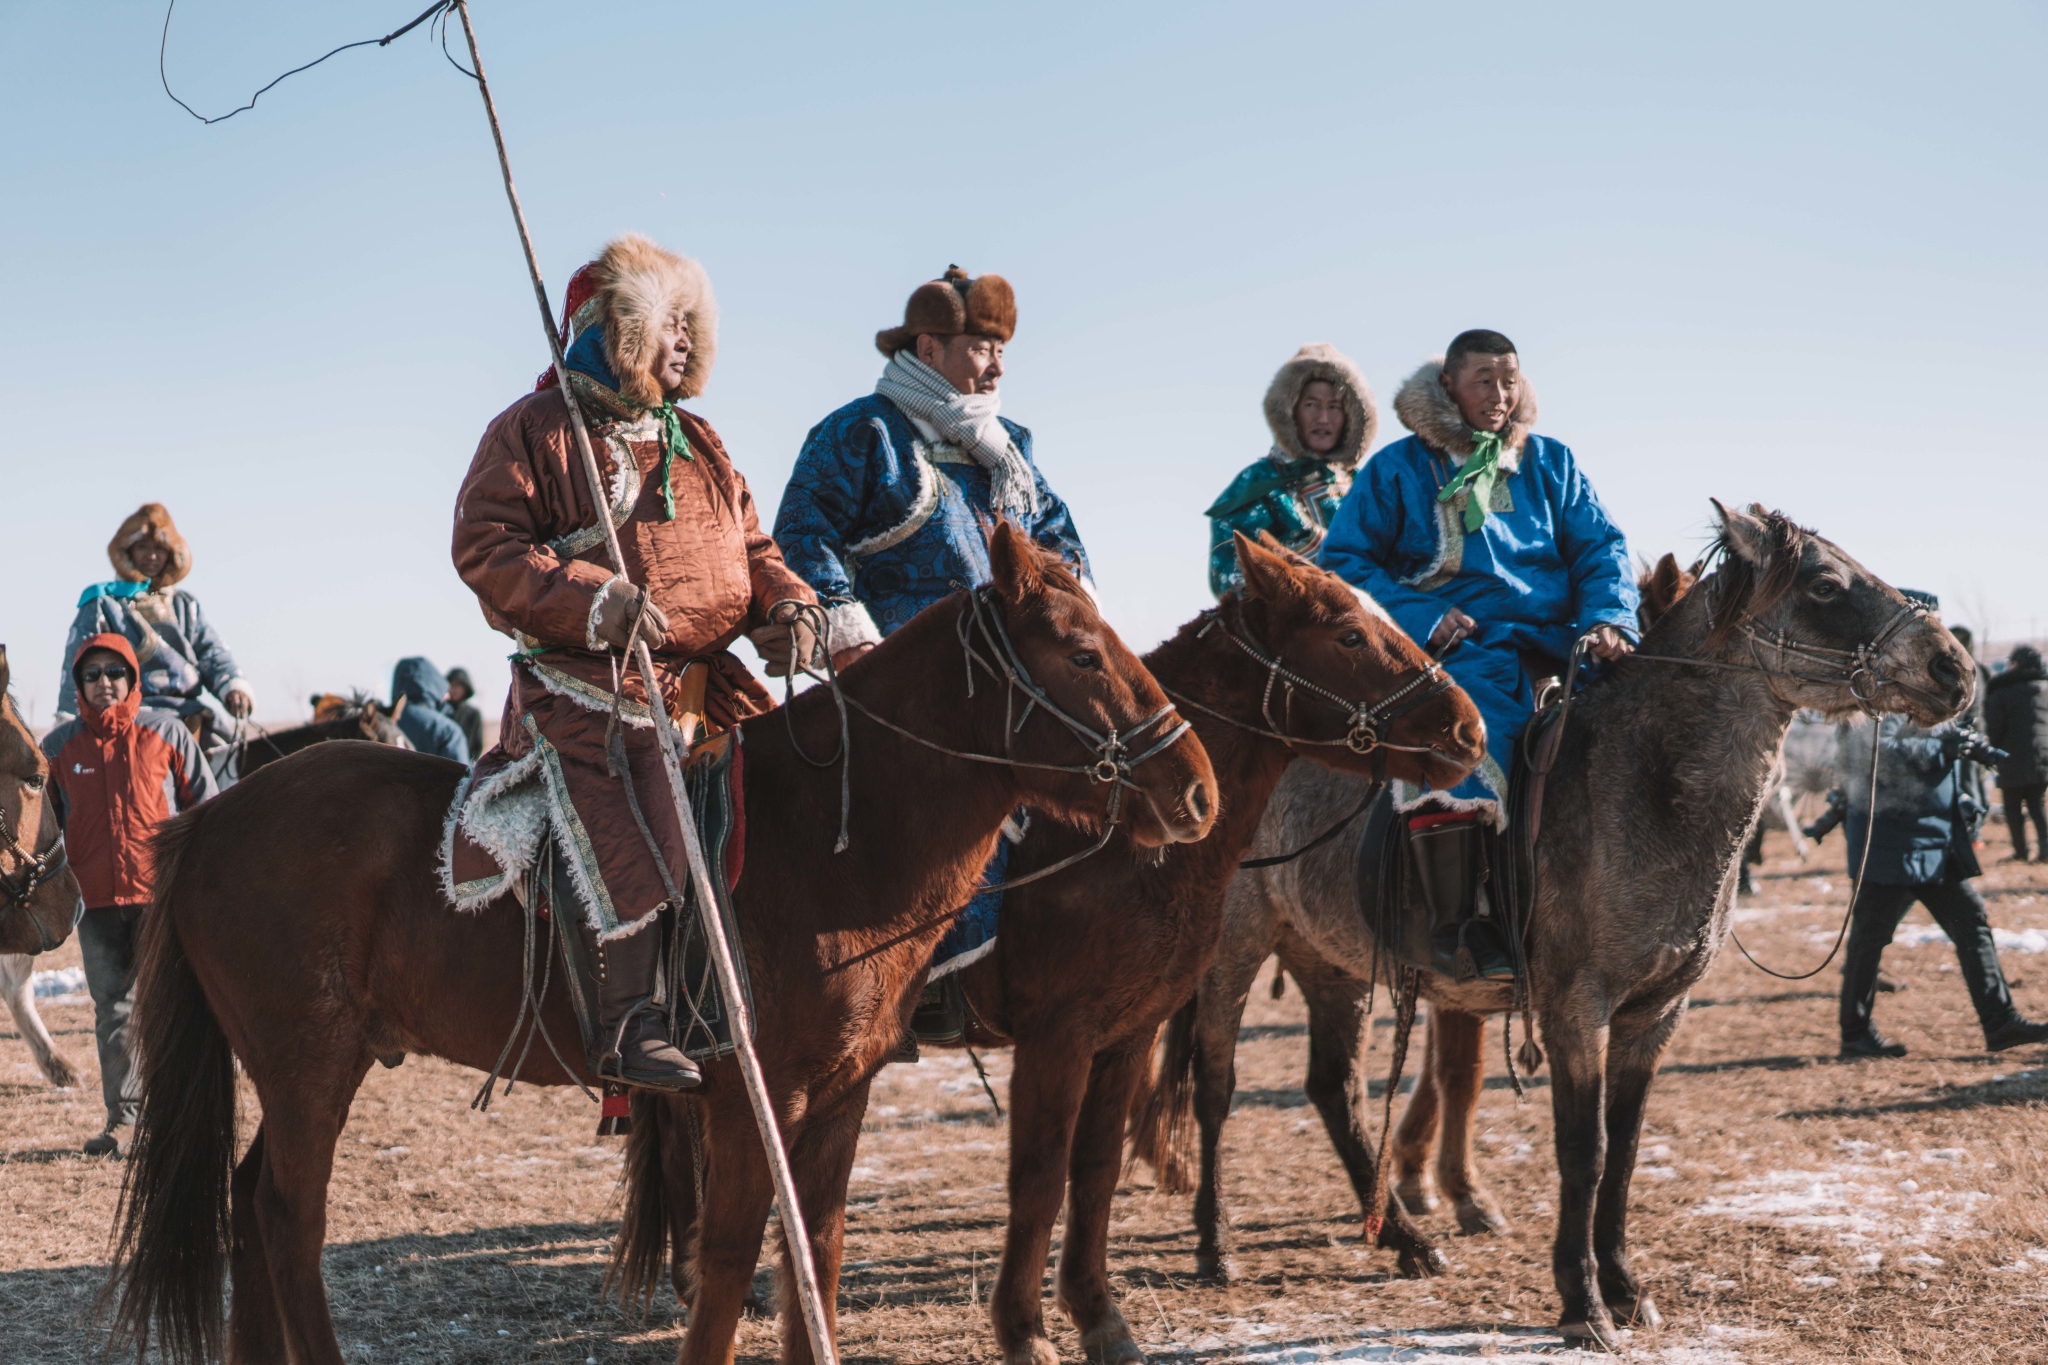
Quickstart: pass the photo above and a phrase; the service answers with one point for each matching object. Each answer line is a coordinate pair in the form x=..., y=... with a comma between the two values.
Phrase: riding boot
x=1450, y=874
x=633, y=1046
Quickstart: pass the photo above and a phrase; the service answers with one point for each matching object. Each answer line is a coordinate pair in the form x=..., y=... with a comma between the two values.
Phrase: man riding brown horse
x=639, y=334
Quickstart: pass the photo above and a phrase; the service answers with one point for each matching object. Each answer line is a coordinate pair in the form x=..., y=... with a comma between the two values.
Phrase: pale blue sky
x=1783, y=253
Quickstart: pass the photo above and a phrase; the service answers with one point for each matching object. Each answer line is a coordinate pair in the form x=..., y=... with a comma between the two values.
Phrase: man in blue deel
x=1484, y=541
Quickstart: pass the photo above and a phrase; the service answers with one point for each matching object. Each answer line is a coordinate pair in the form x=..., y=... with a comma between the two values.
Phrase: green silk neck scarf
x=674, y=443
x=1479, y=474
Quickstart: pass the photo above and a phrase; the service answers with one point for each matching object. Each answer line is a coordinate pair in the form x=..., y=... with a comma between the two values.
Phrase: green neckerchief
x=674, y=444
x=1479, y=474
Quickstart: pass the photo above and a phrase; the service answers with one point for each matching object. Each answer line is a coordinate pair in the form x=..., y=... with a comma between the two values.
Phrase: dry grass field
x=1788, y=1207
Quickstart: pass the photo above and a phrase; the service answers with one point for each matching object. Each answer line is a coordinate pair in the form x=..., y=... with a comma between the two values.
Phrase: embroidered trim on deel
x=921, y=508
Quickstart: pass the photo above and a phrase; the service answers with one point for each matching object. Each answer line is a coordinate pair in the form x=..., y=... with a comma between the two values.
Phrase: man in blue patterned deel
x=893, y=497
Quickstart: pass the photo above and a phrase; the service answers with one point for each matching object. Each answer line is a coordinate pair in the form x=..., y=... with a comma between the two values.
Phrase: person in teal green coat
x=1323, y=419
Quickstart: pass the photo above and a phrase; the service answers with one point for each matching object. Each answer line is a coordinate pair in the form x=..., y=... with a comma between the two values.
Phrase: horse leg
x=300, y=1128
x=822, y=1161
x=1339, y=1037
x=730, y=1225
x=1416, y=1133
x=1576, y=1029
x=1048, y=1081
x=1219, y=1010
x=1092, y=1171
x=1461, y=1073
x=1632, y=1058
x=17, y=984
x=255, y=1331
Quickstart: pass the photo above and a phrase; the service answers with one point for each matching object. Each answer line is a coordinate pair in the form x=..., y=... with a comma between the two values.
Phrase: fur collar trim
x=1361, y=412
x=1425, y=409
x=638, y=285
x=151, y=521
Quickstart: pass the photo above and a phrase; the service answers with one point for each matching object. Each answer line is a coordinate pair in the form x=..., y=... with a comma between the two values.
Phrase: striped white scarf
x=968, y=420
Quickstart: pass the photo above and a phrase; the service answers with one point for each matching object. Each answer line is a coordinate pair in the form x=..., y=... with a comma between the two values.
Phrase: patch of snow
x=1854, y=1200
x=1819, y=1281
x=1250, y=1343
x=55, y=985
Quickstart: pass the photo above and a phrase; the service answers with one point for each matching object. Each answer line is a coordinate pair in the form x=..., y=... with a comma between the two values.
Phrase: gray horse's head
x=1791, y=603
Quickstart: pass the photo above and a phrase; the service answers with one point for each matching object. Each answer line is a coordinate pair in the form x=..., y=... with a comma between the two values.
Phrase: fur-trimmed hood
x=151, y=521
x=1425, y=409
x=632, y=288
x=1361, y=411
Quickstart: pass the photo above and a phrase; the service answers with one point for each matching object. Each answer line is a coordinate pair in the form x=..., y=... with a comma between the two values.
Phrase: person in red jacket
x=120, y=772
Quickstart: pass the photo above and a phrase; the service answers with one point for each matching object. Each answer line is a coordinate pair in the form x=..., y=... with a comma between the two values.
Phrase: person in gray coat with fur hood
x=1323, y=419
x=183, y=658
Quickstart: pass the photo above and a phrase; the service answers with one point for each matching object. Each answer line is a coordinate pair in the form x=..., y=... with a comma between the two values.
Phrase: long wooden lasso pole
x=793, y=1229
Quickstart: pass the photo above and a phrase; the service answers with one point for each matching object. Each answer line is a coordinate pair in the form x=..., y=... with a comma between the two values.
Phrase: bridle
x=985, y=644
x=1859, y=669
x=17, y=889
x=1368, y=722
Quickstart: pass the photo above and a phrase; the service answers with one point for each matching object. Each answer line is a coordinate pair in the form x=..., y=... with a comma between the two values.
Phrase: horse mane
x=1739, y=591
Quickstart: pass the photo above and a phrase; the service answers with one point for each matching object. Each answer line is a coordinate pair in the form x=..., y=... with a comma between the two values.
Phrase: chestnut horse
x=359, y=718
x=1091, y=960
x=38, y=894
x=1661, y=769
x=299, y=927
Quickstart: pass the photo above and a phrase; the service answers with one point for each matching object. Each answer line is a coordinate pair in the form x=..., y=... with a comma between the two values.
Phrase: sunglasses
x=111, y=672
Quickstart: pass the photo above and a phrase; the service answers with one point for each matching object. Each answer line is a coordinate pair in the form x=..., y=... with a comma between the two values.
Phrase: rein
x=1368, y=722
x=1859, y=668
x=979, y=621
x=40, y=867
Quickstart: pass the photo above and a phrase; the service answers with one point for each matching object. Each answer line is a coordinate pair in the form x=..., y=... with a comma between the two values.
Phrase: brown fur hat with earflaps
x=151, y=521
x=954, y=305
x=634, y=287
x=1313, y=362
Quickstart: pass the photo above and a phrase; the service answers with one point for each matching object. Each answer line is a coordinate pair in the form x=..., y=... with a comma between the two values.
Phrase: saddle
x=1424, y=871
x=699, y=1023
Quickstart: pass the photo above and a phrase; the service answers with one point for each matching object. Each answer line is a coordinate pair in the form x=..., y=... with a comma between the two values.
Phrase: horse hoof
x=1590, y=1333
x=1416, y=1197
x=1121, y=1351
x=1215, y=1269
x=1036, y=1351
x=1426, y=1264
x=1477, y=1215
x=1640, y=1312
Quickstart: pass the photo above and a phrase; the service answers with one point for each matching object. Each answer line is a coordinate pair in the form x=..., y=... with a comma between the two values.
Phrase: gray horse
x=1660, y=775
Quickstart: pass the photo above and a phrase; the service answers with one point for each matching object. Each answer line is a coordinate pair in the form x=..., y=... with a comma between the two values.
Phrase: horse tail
x=1162, y=1124
x=171, y=1255
x=640, y=1252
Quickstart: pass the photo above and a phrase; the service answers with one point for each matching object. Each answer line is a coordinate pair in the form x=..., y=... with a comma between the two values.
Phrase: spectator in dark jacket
x=460, y=690
x=2016, y=720
x=121, y=771
x=425, y=719
x=1919, y=851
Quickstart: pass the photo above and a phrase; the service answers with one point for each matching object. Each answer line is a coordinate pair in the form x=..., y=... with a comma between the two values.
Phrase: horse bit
x=1369, y=723
x=20, y=887
x=1112, y=764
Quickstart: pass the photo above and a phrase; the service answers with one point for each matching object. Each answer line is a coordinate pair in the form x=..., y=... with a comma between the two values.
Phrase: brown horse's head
x=1661, y=587
x=1779, y=588
x=1070, y=651
x=29, y=830
x=1321, y=628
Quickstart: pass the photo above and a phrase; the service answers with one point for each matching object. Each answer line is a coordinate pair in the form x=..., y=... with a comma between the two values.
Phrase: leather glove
x=790, y=634
x=615, y=619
